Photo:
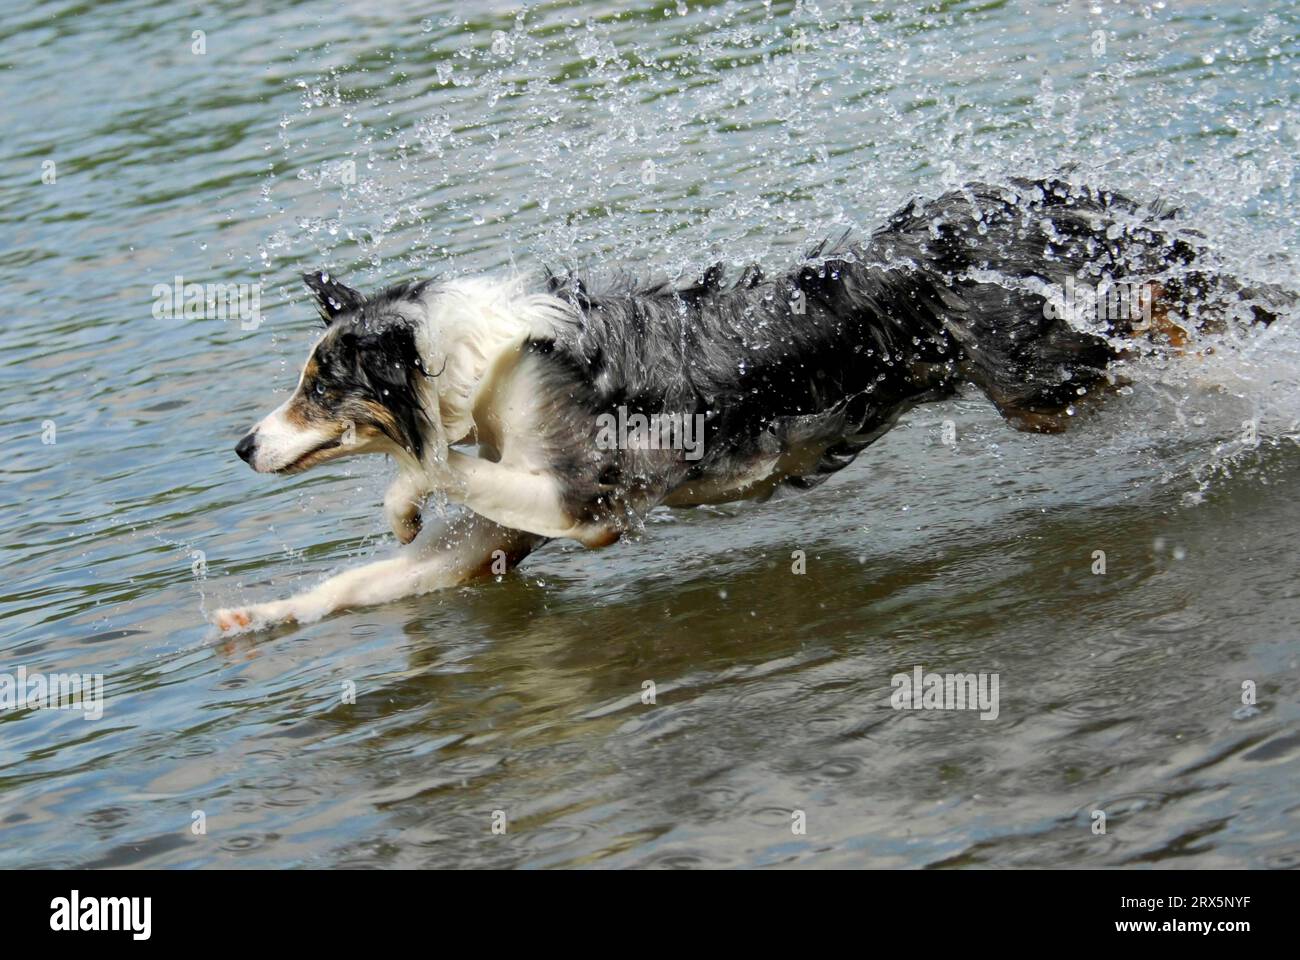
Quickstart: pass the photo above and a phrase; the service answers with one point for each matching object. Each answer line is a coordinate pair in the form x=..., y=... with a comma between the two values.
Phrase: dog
x=785, y=380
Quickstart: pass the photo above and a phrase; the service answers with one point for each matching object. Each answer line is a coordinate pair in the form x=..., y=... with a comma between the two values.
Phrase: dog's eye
x=318, y=390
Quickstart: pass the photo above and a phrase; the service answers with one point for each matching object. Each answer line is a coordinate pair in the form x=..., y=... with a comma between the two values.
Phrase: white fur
x=470, y=334
x=279, y=442
x=472, y=338
x=455, y=553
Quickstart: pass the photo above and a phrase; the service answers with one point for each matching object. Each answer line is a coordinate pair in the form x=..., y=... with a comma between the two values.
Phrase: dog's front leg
x=521, y=499
x=403, y=501
x=469, y=546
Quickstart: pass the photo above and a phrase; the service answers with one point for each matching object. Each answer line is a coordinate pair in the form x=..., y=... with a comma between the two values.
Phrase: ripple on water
x=773, y=687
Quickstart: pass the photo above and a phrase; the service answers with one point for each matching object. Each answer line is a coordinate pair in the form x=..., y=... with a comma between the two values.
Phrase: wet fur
x=794, y=375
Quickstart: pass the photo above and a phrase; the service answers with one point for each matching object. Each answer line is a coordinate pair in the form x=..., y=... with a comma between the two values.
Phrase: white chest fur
x=473, y=335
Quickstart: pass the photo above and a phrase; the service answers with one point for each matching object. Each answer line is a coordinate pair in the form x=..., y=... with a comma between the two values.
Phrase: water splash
x=741, y=132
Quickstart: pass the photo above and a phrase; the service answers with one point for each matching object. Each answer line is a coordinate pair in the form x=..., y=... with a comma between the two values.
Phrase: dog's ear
x=332, y=297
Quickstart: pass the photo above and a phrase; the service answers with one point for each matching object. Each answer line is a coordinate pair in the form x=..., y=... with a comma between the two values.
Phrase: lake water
x=402, y=139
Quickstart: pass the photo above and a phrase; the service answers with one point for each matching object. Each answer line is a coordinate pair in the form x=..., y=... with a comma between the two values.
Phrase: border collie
x=788, y=378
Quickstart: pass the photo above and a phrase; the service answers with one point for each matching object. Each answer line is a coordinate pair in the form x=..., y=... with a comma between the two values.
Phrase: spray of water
x=606, y=138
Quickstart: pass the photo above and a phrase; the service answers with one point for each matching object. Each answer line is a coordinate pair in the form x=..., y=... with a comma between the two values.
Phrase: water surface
x=437, y=138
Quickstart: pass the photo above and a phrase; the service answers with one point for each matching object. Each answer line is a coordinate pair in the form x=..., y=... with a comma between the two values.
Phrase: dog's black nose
x=245, y=448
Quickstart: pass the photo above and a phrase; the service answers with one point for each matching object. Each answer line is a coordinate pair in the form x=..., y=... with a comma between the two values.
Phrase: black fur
x=820, y=361
x=830, y=354
x=332, y=297
x=369, y=355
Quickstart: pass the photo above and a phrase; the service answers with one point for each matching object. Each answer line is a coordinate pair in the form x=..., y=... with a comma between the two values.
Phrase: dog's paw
x=233, y=620
x=263, y=616
x=404, y=520
x=407, y=528
x=259, y=617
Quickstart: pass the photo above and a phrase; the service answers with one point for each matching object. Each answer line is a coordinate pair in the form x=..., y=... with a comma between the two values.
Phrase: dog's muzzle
x=246, y=447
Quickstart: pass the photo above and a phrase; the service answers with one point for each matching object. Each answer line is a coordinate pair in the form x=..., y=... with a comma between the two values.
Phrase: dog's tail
x=1035, y=286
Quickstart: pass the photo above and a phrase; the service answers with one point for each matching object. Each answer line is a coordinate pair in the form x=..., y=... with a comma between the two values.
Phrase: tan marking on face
x=295, y=412
x=381, y=419
x=296, y=415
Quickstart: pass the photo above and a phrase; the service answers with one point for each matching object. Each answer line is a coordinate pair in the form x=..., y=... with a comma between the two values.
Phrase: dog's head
x=361, y=390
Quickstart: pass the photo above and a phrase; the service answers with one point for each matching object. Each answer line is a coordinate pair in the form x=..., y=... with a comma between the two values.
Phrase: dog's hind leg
x=469, y=546
x=1044, y=283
